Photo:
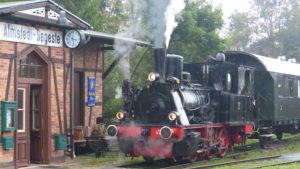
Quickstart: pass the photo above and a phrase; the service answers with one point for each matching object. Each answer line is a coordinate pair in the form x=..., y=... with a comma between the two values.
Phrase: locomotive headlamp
x=153, y=76
x=120, y=115
x=172, y=116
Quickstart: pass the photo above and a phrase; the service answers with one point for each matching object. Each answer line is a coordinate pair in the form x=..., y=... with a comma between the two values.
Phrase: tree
x=196, y=35
x=240, y=31
x=269, y=21
x=270, y=28
x=104, y=15
x=290, y=37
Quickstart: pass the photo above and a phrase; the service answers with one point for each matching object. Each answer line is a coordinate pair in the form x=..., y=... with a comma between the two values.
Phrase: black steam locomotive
x=196, y=110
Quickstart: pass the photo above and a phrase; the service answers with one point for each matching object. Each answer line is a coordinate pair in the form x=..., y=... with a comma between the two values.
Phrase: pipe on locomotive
x=160, y=63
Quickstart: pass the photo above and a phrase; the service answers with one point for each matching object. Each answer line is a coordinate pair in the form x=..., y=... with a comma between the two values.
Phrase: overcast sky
x=229, y=6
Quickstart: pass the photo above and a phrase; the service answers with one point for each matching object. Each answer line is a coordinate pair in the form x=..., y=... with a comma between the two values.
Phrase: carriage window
x=291, y=86
x=280, y=86
x=241, y=80
x=244, y=81
x=228, y=82
x=298, y=88
x=247, y=87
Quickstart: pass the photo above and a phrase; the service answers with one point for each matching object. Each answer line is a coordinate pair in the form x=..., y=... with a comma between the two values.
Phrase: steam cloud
x=118, y=91
x=160, y=22
x=156, y=21
x=174, y=8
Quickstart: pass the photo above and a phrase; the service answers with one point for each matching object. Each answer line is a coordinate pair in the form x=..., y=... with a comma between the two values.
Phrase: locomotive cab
x=231, y=88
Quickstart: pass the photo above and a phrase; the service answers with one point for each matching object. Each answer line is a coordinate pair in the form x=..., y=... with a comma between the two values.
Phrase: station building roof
x=264, y=63
x=47, y=12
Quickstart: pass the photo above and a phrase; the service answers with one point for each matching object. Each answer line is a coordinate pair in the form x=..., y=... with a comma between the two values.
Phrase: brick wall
x=6, y=48
x=86, y=59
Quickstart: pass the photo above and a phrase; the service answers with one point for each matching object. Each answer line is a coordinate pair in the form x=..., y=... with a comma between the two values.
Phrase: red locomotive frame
x=216, y=139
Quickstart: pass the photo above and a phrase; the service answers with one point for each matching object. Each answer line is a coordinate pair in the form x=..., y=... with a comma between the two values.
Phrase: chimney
x=160, y=63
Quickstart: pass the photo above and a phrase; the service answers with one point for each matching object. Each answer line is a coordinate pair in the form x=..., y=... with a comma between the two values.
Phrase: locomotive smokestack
x=160, y=63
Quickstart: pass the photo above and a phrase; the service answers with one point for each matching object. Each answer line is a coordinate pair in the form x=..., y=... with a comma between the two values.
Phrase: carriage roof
x=263, y=62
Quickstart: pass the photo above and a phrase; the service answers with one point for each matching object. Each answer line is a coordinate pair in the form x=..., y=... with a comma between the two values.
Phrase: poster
x=9, y=118
x=91, y=91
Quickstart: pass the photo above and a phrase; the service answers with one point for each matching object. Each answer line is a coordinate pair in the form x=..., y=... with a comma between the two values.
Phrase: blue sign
x=91, y=91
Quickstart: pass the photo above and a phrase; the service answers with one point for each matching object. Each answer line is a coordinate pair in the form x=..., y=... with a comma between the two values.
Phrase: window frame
x=30, y=70
x=291, y=90
x=33, y=127
x=24, y=111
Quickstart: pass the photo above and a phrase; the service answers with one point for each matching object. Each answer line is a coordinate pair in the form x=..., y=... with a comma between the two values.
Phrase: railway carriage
x=192, y=111
x=277, y=92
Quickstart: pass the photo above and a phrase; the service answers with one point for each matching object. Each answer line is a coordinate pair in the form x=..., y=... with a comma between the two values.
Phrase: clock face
x=72, y=38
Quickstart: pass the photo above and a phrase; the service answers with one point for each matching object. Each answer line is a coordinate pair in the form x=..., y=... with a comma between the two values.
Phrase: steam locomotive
x=193, y=111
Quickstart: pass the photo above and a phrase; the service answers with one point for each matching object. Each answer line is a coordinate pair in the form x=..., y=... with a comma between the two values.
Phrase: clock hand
x=73, y=41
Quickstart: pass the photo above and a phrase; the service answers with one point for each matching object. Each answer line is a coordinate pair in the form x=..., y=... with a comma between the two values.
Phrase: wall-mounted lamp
x=62, y=19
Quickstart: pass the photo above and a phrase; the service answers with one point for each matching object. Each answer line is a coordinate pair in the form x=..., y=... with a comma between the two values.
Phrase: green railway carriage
x=277, y=91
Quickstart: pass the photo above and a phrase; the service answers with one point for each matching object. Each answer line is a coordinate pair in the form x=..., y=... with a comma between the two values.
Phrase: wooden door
x=78, y=99
x=33, y=99
x=29, y=146
x=35, y=124
x=22, y=137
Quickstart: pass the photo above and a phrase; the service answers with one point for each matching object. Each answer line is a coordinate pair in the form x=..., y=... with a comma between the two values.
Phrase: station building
x=51, y=80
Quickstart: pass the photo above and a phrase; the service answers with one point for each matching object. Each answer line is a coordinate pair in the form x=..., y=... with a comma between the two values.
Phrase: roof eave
x=112, y=38
x=44, y=3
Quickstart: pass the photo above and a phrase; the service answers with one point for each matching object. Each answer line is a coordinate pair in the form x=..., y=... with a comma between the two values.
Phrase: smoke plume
x=118, y=94
x=174, y=8
x=156, y=21
x=161, y=16
x=150, y=20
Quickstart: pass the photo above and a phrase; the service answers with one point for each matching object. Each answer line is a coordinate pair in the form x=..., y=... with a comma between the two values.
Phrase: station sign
x=30, y=35
x=91, y=90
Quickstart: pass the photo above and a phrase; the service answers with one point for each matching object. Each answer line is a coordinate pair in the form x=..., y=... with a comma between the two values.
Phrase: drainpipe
x=72, y=105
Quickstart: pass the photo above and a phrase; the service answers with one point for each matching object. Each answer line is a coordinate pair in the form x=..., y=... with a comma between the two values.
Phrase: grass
x=289, y=166
x=108, y=159
x=290, y=144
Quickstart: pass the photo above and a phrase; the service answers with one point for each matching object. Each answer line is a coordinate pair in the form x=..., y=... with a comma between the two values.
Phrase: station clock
x=73, y=38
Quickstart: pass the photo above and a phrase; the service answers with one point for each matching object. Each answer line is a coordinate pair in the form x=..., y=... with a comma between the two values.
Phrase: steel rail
x=179, y=166
x=277, y=164
x=236, y=162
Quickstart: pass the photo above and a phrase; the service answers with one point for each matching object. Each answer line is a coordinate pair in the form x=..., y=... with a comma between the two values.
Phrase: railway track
x=236, y=162
x=188, y=165
x=168, y=164
x=277, y=164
